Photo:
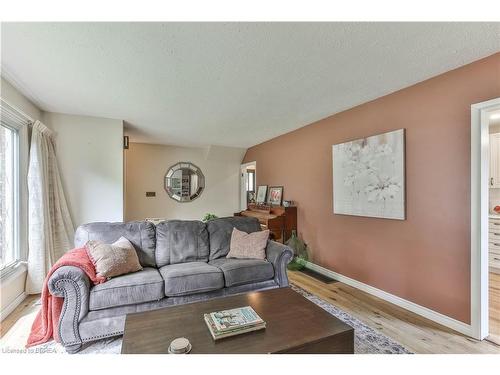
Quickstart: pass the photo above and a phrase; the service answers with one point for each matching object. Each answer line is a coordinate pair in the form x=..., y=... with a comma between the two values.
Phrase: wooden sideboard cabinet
x=280, y=220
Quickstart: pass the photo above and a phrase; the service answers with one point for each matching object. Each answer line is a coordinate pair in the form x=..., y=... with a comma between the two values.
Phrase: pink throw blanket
x=45, y=325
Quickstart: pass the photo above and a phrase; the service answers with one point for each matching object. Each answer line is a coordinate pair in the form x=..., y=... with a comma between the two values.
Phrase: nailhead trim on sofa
x=76, y=314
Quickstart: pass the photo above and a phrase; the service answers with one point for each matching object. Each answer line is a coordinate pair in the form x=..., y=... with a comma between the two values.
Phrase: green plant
x=208, y=217
x=299, y=248
x=297, y=264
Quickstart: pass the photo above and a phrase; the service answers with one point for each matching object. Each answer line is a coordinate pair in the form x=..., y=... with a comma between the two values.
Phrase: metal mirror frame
x=173, y=194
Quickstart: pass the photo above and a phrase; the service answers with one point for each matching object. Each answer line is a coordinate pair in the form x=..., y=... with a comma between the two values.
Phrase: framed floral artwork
x=369, y=176
x=275, y=195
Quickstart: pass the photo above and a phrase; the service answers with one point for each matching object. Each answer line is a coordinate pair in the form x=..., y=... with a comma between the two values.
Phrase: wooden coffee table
x=294, y=325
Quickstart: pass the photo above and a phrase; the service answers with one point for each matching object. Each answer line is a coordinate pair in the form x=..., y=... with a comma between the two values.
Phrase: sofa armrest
x=279, y=255
x=72, y=284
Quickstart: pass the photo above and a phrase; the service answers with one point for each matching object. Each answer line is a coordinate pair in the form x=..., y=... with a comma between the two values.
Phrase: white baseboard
x=12, y=306
x=435, y=316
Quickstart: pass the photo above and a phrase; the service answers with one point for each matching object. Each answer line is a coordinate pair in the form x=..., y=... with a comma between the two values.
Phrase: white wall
x=90, y=156
x=146, y=165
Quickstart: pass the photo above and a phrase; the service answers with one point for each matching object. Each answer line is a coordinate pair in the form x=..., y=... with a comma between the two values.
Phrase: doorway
x=494, y=229
x=248, y=184
x=485, y=222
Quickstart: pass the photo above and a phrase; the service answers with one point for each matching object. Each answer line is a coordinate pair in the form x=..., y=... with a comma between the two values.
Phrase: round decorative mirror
x=184, y=182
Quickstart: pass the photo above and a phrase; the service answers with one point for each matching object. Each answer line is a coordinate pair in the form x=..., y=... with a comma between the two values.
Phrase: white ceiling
x=232, y=84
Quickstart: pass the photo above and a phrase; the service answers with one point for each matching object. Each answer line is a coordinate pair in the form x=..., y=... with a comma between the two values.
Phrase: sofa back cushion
x=141, y=234
x=181, y=241
x=220, y=231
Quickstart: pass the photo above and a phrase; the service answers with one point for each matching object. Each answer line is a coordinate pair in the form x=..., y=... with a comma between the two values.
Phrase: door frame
x=479, y=215
x=243, y=191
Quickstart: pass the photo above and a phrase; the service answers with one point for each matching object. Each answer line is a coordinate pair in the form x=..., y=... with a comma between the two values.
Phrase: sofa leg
x=72, y=349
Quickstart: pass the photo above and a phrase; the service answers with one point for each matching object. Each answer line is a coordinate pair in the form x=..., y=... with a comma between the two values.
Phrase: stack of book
x=233, y=322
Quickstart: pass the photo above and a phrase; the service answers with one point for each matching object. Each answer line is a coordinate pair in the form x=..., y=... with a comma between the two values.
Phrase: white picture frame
x=261, y=194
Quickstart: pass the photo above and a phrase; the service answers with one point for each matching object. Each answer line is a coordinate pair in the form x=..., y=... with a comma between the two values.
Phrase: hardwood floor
x=418, y=334
x=494, y=301
x=26, y=307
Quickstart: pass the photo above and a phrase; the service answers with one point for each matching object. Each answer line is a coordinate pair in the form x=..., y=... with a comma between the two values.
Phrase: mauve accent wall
x=426, y=258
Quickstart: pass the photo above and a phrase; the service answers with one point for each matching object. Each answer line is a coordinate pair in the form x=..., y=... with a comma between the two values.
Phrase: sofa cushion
x=220, y=230
x=141, y=234
x=181, y=241
x=132, y=288
x=243, y=271
x=189, y=278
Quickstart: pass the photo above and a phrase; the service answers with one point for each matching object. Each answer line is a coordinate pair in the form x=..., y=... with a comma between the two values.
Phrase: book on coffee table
x=233, y=322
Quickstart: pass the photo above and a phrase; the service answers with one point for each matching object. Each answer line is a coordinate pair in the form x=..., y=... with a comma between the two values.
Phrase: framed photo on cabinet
x=261, y=194
x=275, y=195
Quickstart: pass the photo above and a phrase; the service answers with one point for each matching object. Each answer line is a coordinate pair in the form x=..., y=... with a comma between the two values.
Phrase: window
x=13, y=190
x=251, y=180
x=9, y=196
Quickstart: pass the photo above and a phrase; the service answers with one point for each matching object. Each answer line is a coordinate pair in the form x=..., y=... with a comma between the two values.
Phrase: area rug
x=366, y=339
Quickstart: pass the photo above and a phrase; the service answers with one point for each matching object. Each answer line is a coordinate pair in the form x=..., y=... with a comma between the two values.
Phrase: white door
x=243, y=187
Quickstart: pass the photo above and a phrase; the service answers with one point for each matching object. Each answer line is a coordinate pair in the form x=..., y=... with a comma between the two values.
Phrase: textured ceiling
x=232, y=84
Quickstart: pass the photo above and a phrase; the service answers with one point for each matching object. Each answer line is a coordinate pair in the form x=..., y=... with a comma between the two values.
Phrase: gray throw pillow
x=115, y=259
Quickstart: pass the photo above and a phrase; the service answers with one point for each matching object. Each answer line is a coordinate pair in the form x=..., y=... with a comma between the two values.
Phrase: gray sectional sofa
x=183, y=261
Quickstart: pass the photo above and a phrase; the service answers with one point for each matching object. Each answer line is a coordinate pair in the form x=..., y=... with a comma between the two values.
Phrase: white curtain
x=50, y=226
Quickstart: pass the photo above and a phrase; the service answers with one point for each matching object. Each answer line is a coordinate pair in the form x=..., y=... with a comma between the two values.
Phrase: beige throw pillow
x=248, y=245
x=113, y=260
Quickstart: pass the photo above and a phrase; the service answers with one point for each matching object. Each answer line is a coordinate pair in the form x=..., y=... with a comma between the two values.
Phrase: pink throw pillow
x=248, y=245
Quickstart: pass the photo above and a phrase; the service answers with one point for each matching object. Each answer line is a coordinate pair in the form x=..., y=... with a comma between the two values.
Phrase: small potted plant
x=208, y=217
